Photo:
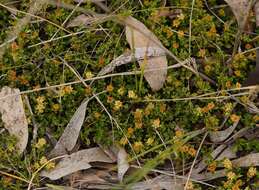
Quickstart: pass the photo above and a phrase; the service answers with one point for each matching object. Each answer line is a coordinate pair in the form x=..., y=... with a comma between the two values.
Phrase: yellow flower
x=156, y=123
x=234, y=118
x=41, y=142
x=138, y=125
x=43, y=160
x=238, y=85
x=237, y=73
x=231, y=176
x=168, y=32
x=150, y=141
x=40, y=104
x=175, y=45
x=97, y=115
x=184, y=148
x=180, y=34
x=179, y=133
x=162, y=108
x=109, y=99
x=192, y=151
x=190, y=186
x=137, y=146
x=149, y=108
x=117, y=105
x=237, y=185
x=132, y=95
x=251, y=172
x=227, y=164
x=55, y=107
x=176, y=23
x=50, y=165
x=130, y=131
x=88, y=90
x=256, y=118
x=121, y=91
x=228, y=84
x=212, y=32
x=228, y=108
x=181, y=16
x=202, y=53
x=123, y=141
x=210, y=106
x=221, y=12
x=212, y=167
x=109, y=88
x=89, y=75
x=68, y=89
x=138, y=115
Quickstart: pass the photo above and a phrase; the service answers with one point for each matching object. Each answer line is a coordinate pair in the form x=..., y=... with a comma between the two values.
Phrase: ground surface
x=176, y=124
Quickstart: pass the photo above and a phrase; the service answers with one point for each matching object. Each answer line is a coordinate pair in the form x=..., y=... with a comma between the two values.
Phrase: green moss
x=211, y=44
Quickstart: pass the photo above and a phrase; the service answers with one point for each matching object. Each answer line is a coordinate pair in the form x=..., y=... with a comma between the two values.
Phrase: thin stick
x=193, y=163
x=40, y=168
x=35, y=16
x=14, y=176
x=170, y=159
x=85, y=80
x=177, y=176
x=190, y=28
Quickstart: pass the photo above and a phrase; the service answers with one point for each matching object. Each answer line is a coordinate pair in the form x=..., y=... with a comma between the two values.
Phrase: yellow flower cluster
x=251, y=172
x=66, y=90
x=121, y=91
x=109, y=88
x=132, y=94
x=234, y=118
x=150, y=141
x=212, y=167
x=117, y=105
x=41, y=142
x=227, y=164
x=207, y=108
x=89, y=75
x=55, y=107
x=187, y=149
x=138, y=146
x=149, y=109
x=156, y=123
x=49, y=165
x=138, y=114
x=40, y=106
x=212, y=32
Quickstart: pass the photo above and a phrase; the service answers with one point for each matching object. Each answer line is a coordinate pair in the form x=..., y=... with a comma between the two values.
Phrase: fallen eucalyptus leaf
x=81, y=20
x=256, y=8
x=159, y=182
x=220, y=136
x=227, y=153
x=77, y=161
x=145, y=39
x=70, y=135
x=246, y=161
x=58, y=187
x=208, y=176
x=140, y=54
x=122, y=162
x=240, y=9
x=13, y=116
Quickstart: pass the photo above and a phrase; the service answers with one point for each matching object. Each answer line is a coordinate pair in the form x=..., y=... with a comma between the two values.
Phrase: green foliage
x=212, y=42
